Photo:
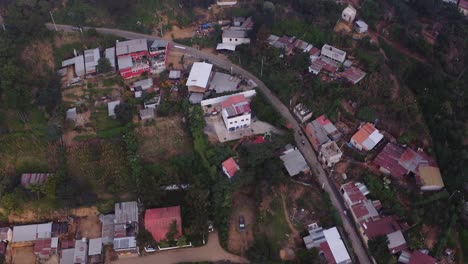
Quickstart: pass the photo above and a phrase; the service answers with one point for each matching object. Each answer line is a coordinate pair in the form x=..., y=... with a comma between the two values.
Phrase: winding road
x=306, y=149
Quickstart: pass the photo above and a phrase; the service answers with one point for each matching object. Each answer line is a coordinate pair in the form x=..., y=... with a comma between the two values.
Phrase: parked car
x=241, y=223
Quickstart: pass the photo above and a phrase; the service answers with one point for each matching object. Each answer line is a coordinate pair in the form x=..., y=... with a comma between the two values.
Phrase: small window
x=230, y=123
x=242, y=120
x=230, y=39
x=236, y=39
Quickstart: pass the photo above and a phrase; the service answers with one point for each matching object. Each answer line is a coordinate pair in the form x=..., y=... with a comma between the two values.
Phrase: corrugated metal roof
x=108, y=226
x=159, y=43
x=130, y=46
x=124, y=243
x=124, y=62
x=199, y=74
x=226, y=46
x=110, y=55
x=337, y=247
x=234, y=34
x=95, y=246
x=67, y=256
x=24, y=233
x=158, y=221
x=126, y=212
x=91, y=58
x=80, y=253
x=294, y=162
x=144, y=84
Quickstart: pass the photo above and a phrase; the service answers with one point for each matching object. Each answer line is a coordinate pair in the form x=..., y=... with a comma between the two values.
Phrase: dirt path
x=398, y=46
x=295, y=234
x=211, y=252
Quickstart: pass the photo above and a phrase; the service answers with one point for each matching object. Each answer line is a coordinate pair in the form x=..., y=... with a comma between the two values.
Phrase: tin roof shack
x=330, y=153
x=333, y=53
x=126, y=227
x=78, y=65
x=80, y=254
x=158, y=222
x=109, y=54
x=302, y=113
x=91, y=58
x=235, y=37
x=95, y=251
x=45, y=248
x=67, y=256
x=6, y=234
x=353, y=75
x=388, y=160
x=385, y=226
x=108, y=228
x=321, y=131
x=158, y=51
x=294, y=161
x=199, y=77
x=147, y=114
x=28, y=179
x=230, y=167
x=329, y=243
x=132, y=57
x=27, y=234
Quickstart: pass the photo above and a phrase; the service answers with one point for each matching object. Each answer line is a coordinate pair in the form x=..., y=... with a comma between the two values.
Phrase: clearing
x=243, y=204
x=88, y=226
x=163, y=140
x=24, y=255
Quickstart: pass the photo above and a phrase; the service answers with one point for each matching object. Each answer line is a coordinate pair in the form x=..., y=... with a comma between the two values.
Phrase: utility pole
x=53, y=21
x=261, y=69
x=160, y=21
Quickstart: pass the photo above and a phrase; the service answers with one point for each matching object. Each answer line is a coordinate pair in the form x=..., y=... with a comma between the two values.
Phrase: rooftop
x=124, y=62
x=430, y=176
x=364, y=210
x=388, y=159
x=352, y=191
x=126, y=212
x=333, y=49
x=226, y=46
x=330, y=149
x=396, y=241
x=196, y=98
x=124, y=243
x=199, y=74
x=144, y=84
x=28, y=179
x=294, y=162
x=336, y=245
x=158, y=221
x=27, y=233
x=80, y=254
x=111, y=107
x=174, y=74
x=231, y=166
x=91, y=58
x=234, y=33
x=159, y=43
x=417, y=257
x=108, y=225
x=233, y=100
x=130, y=46
x=380, y=227
x=353, y=75
x=95, y=246
x=110, y=55
x=368, y=136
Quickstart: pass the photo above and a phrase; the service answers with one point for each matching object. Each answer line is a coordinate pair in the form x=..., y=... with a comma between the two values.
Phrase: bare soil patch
x=39, y=55
x=163, y=140
x=180, y=33
x=431, y=234
x=89, y=226
x=239, y=242
x=23, y=255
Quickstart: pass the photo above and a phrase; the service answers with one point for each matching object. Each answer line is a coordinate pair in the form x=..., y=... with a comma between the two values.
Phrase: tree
x=124, y=113
x=51, y=96
x=173, y=231
x=198, y=203
x=379, y=250
x=145, y=238
x=104, y=65
x=182, y=241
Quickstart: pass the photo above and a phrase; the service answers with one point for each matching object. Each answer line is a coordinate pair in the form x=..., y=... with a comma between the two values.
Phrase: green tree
x=104, y=65
x=378, y=247
x=51, y=96
x=145, y=238
x=124, y=113
x=198, y=204
x=182, y=241
x=173, y=231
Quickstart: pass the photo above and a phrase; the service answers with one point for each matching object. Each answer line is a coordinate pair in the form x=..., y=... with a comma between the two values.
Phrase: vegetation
x=104, y=65
x=378, y=247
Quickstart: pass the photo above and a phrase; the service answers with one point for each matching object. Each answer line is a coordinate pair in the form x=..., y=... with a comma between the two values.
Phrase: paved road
x=212, y=252
x=306, y=149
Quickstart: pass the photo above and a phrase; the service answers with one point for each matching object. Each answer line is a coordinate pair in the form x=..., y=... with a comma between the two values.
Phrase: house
x=59, y=229
x=78, y=65
x=302, y=46
x=360, y=26
x=143, y=84
x=226, y=47
x=196, y=98
x=285, y=43
x=147, y=114
x=71, y=114
x=132, y=57
x=316, y=66
x=111, y=108
x=31, y=233
x=385, y=226
x=353, y=194
x=108, y=228
x=91, y=58
x=321, y=131
x=226, y=2
x=236, y=113
x=330, y=153
x=80, y=254
x=44, y=248
x=158, y=222
x=348, y=14
x=302, y=113
x=388, y=160
x=158, y=47
x=329, y=242
x=366, y=138
x=174, y=75
x=199, y=77
x=429, y=178
x=6, y=234
x=463, y=7
x=230, y=167
x=315, y=237
x=334, y=249
x=66, y=256
x=158, y=51
x=95, y=250
x=126, y=227
x=109, y=54
x=294, y=161
x=223, y=82
x=28, y=179
x=235, y=37
x=152, y=102
x=333, y=53
x=314, y=54
x=417, y=257
x=353, y=75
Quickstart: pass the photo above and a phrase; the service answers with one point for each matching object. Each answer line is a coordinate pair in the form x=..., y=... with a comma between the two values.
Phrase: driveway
x=211, y=252
x=306, y=149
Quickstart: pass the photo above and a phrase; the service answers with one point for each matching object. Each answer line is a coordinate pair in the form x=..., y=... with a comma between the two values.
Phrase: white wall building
x=330, y=153
x=226, y=2
x=361, y=26
x=199, y=77
x=235, y=37
x=349, y=14
x=333, y=53
x=91, y=58
x=236, y=113
x=337, y=247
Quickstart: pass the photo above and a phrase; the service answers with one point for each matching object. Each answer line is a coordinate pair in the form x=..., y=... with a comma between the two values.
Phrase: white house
x=330, y=153
x=361, y=26
x=199, y=77
x=333, y=53
x=91, y=58
x=348, y=14
x=235, y=37
x=302, y=113
x=226, y=2
x=236, y=112
x=366, y=138
x=338, y=251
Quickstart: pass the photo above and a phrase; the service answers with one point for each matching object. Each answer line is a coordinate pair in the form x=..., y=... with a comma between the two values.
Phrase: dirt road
x=212, y=252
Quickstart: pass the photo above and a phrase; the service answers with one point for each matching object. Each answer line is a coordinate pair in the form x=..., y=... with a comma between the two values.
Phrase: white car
x=149, y=249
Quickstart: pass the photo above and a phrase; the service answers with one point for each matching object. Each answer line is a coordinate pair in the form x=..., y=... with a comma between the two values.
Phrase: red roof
x=259, y=140
x=353, y=192
x=325, y=248
x=360, y=210
x=34, y=178
x=323, y=120
x=383, y=226
x=330, y=68
x=354, y=75
x=158, y=221
x=43, y=246
x=388, y=159
x=233, y=100
x=314, y=51
x=231, y=167
x=420, y=258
